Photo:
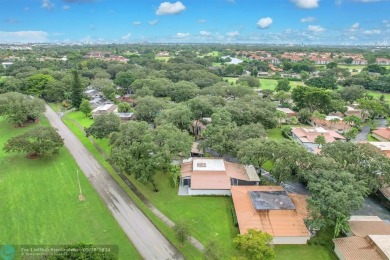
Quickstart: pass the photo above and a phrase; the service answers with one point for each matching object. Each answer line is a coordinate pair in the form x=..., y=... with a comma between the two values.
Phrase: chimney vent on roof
x=201, y=164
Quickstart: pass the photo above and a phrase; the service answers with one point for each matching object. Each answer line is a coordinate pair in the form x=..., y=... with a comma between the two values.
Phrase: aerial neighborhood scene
x=195, y=129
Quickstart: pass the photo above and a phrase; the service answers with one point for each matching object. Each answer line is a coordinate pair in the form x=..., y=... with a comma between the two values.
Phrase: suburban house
x=6, y=64
x=104, y=109
x=382, y=61
x=359, y=61
x=213, y=176
x=321, y=61
x=384, y=147
x=369, y=239
x=271, y=209
x=306, y=136
x=126, y=116
x=382, y=134
x=331, y=123
x=92, y=93
x=196, y=151
x=287, y=111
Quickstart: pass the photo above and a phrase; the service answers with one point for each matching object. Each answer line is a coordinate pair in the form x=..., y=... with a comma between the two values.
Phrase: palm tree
x=333, y=121
x=279, y=116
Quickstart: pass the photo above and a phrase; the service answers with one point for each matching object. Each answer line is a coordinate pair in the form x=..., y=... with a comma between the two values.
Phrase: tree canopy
x=255, y=245
x=19, y=108
x=36, y=142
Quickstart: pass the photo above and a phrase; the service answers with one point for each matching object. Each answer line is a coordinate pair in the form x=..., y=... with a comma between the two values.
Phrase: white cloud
x=167, y=8
x=308, y=19
x=182, y=35
x=23, y=36
x=352, y=37
x=316, y=28
x=355, y=26
x=370, y=32
x=66, y=7
x=264, y=23
x=306, y=4
x=154, y=22
x=204, y=33
x=137, y=23
x=47, y=4
x=126, y=37
x=201, y=21
x=233, y=34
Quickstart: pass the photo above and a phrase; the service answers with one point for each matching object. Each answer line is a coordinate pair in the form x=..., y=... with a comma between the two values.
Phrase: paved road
x=362, y=135
x=150, y=243
x=365, y=130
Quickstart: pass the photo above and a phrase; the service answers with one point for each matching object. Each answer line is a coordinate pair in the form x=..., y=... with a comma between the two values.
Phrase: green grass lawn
x=42, y=206
x=307, y=252
x=370, y=138
x=162, y=58
x=208, y=217
x=231, y=79
x=213, y=54
x=272, y=83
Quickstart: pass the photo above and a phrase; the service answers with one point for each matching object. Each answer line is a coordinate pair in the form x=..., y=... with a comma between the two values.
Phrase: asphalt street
x=147, y=239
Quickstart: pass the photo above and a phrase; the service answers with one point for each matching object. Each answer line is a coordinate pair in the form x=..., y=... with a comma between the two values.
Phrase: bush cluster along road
x=148, y=240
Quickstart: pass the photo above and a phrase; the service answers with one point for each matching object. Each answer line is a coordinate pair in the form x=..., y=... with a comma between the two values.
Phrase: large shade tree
x=19, y=108
x=36, y=142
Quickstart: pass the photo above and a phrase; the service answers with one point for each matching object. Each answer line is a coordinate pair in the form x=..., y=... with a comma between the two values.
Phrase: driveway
x=362, y=135
x=365, y=130
x=147, y=239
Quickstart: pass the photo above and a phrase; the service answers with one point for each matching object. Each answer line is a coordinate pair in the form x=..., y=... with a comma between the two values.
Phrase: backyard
x=44, y=208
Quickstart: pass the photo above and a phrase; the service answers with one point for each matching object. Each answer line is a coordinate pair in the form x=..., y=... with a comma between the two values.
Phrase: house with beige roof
x=104, y=109
x=369, y=239
x=214, y=176
x=271, y=209
x=306, y=136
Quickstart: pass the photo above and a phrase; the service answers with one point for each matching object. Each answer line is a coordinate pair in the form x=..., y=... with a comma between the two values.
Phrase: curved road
x=148, y=240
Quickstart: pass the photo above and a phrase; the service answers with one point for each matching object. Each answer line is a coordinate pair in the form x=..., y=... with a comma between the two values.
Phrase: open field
x=266, y=83
x=163, y=58
x=42, y=205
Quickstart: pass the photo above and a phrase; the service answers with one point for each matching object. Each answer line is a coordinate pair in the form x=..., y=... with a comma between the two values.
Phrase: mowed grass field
x=40, y=204
x=266, y=83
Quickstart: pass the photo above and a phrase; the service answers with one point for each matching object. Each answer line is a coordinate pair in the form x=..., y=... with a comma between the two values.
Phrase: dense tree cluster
x=19, y=108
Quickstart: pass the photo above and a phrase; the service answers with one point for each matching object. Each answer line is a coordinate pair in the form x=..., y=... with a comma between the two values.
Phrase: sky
x=341, y=22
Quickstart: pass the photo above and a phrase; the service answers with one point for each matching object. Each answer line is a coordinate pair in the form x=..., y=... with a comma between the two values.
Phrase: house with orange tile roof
x=369, y=239
x=330, y=123
x=271, y=209
x=214, y=176
x=382, y=134
x=306, y=136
